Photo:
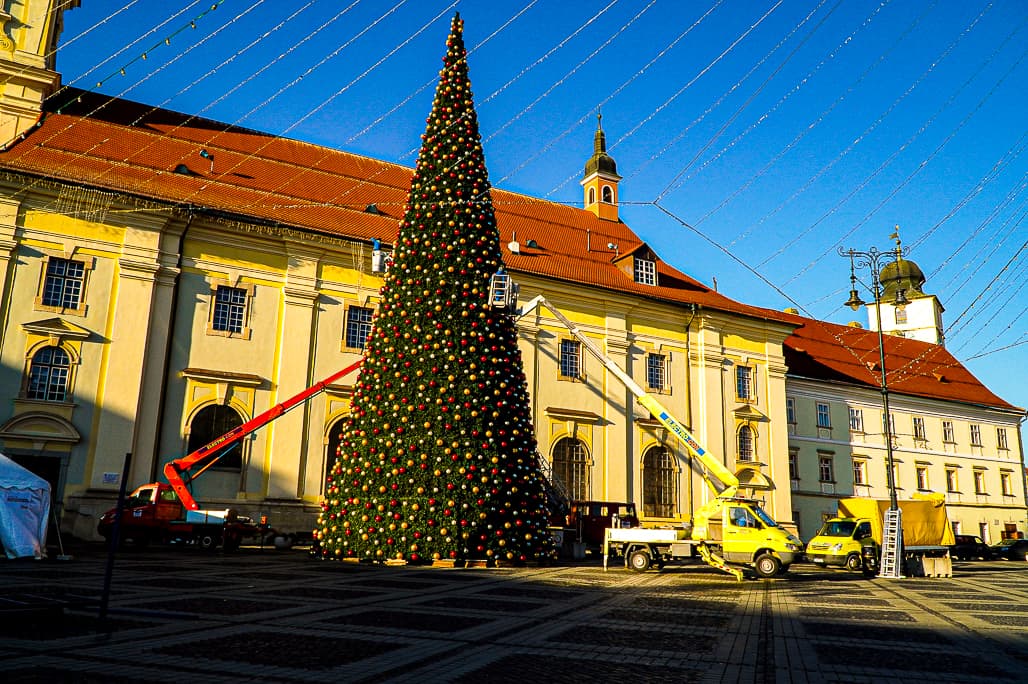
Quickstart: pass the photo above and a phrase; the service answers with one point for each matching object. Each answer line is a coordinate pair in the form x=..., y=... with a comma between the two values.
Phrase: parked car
x=969, y=547
x=1011, y=549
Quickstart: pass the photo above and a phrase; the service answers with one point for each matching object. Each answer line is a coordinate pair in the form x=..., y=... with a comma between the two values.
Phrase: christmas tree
x=437, y=460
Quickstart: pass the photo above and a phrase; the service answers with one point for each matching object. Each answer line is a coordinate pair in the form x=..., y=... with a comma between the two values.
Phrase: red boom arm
x=175, y=470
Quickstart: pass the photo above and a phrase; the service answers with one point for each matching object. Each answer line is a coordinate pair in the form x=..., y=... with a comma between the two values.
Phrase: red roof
x=118, y=145
x=839, y=353
x=128, y=147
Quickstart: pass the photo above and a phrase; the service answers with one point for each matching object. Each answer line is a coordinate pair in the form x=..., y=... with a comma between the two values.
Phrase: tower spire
x=600, y=181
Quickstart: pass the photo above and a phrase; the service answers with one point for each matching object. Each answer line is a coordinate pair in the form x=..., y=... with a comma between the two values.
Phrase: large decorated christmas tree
x=437, y=460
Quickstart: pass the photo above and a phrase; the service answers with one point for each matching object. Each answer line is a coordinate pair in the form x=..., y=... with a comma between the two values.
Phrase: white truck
x=728, y=532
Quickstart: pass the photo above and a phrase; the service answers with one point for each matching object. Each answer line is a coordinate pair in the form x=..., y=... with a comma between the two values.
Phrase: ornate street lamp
x=873, y=260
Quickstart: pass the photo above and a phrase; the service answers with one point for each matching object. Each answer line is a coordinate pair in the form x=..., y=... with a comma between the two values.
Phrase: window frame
x=746, y=444
x=661, y=373
x=1006, y=483
x=920, y=433
x=35, y=368
x=952, y=480
x=979, y=481
x=975, y=430
x=949, y=435
x=352, y=309
x=573, y=467
x=565, y=357
x=790, y=410
x=1001, y=439
x=921, y=476
x=80, y=308
x=659, y=482
x=856, y=419
x=644, y=271
x=860, y=472
x=745, y=383
x=825, y=467
x=824, y=410
x=248, y=290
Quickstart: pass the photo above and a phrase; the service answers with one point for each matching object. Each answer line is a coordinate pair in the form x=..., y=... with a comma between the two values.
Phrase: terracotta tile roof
x=839, y=353
x=128, y=147
x=123, y=146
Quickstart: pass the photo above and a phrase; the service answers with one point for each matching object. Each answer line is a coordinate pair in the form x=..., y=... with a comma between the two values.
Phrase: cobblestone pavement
x=264, y=615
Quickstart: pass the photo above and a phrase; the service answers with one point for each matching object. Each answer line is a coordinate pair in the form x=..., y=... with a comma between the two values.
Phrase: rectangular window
x=922, y=477
x=62, y=287
x=976, y=434
x=656, y=372
x=1001, y=438
x=645, y=271
x=919, y=431
x=790, y=410
x=358, y=326
x=826, y=469
x=824, y=415
x=891, y=426
x=744, y=383
x=951, y=480
x=859, y=472
x=901, y=314
x=1006, y=484
x=570, y=359
x=856, y=420
x=979, y=482
x=229, y=309
x=947, y=432
x=794, y=473
x=895, y=475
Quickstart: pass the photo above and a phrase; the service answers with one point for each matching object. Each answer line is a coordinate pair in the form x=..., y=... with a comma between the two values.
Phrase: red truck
x=154, y=513
x=159, y=512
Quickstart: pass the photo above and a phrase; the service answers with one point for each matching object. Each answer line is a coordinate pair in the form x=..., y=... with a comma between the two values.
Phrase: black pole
x=114, y=540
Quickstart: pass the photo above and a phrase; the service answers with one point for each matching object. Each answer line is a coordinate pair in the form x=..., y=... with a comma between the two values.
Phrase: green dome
x=901, y=274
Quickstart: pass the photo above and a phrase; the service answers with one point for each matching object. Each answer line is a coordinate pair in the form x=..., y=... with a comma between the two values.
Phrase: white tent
x=24, y=510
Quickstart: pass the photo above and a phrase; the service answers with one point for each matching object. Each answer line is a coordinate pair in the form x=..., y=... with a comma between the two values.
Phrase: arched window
x=48, y=375
x=608, y=195
x=570, y=466
x=335, y=436
x=210, y=423
x=659, y=483
x=745, y=443
x=592, y=195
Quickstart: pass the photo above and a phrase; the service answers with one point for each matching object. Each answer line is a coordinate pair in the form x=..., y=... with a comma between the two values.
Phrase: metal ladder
x=892, y=543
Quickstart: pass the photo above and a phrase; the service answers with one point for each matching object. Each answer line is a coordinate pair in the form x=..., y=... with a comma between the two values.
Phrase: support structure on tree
x=437, y=460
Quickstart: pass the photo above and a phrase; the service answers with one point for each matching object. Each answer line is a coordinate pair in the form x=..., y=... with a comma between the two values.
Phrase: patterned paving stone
x=396, y=619
x=518, y=669
x=859, y=614
x=675, y=641
x=312, y=651
x=902, y=635
x=910, y=661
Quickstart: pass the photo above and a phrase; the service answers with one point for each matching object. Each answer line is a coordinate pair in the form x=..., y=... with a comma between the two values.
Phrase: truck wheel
x=639, y=560
x=208, y=541
x=766, y=565
x=854, y=562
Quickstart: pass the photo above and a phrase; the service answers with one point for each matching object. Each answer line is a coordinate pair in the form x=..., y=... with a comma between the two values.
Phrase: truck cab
x=839, y=542
x=744, y=533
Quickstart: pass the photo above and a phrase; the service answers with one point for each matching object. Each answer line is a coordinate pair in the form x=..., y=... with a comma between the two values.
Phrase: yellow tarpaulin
x=925, y=522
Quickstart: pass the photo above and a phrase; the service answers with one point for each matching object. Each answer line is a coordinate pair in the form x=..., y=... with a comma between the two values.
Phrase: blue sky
x=778, y=131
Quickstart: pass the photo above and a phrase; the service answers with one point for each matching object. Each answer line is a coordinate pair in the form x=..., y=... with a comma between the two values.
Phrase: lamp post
x=873, y=260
